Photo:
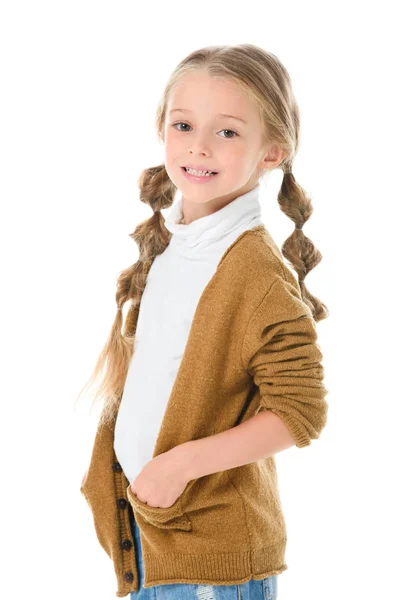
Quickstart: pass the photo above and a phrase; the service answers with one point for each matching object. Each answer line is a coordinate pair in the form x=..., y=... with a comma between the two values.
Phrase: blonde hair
x=265, y=80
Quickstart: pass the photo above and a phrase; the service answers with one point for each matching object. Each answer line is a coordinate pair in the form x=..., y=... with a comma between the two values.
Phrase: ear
x=272, y=158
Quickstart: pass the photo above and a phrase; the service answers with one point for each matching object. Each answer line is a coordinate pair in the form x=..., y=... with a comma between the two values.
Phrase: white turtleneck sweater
x=173, y=288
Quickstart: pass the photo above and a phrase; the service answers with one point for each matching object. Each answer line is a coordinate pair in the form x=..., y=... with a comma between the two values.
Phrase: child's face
x=205, y=138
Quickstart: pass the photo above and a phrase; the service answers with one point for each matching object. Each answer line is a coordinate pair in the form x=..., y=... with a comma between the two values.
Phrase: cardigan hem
x=230, y=568
x=218, y=582
x=201, y=579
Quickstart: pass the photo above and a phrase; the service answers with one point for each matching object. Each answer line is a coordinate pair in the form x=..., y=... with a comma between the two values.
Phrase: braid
x=298, y=249
x=152, y=237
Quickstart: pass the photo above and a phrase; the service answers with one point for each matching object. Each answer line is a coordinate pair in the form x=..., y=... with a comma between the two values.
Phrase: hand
x=163, y=479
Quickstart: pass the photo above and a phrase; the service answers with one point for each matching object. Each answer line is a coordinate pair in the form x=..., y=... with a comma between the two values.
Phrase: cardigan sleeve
x=281, y=352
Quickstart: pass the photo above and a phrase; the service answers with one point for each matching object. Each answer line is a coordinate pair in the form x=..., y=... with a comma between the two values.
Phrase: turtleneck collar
x=243, y=209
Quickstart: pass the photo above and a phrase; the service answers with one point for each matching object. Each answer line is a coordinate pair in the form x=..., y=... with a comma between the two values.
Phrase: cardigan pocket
x=172, y=517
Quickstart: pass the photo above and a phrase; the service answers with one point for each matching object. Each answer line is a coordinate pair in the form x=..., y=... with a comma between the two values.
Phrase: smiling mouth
x=211, y=172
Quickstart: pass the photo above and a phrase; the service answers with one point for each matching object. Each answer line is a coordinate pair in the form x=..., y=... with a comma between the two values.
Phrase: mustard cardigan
x=252, y=346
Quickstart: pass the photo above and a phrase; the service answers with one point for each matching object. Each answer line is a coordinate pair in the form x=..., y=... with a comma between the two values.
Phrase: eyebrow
x=219, y=114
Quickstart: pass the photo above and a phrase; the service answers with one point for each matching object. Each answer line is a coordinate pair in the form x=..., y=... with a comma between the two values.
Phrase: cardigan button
x=126, y=544
x=128, y=576
x=122, y=503
x=117, y=467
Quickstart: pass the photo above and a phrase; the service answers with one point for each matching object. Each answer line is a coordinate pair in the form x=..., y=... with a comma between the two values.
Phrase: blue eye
x=227, y=138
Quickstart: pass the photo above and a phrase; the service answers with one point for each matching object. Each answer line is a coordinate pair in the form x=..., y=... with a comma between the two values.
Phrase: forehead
x=200, y=93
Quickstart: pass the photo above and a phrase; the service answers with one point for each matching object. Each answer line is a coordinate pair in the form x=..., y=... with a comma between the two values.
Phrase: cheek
x=173, y=147
x=169, y=167
x=234, y=153
x=237, y=161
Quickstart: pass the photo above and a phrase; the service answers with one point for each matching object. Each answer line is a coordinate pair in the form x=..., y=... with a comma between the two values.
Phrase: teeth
x=199, y=173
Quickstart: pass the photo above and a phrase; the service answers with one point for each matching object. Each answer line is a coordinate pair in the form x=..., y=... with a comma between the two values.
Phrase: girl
x=221, y=368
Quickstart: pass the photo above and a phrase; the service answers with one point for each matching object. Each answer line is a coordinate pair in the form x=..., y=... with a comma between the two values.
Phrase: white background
x=80, y=82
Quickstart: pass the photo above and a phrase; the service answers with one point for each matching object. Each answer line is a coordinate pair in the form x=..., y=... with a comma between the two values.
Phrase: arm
x=281, y=353
x=261, y=436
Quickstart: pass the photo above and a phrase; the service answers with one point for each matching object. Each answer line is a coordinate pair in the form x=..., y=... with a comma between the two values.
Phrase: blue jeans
x=261, y=589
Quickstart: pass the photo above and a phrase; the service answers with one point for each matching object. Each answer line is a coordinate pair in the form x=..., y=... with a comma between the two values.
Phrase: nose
x=200, y=145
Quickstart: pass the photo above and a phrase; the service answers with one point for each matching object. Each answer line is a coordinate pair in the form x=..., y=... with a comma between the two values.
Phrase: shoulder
x=255, y=260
